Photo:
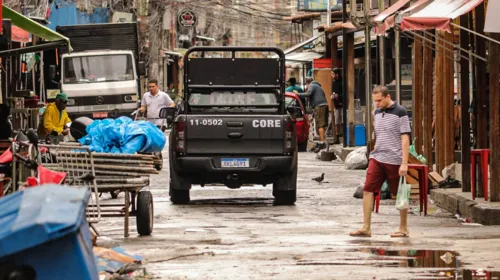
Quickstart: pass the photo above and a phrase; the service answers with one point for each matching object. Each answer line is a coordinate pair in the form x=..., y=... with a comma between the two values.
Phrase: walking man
x=389, y=159
x=153, y=101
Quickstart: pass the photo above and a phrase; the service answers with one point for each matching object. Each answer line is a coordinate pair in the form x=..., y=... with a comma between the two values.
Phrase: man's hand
x=142, y=109
x=65, y=132
x=403, y=170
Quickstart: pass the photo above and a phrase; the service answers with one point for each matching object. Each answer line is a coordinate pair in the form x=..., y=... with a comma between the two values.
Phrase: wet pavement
x=239, y=234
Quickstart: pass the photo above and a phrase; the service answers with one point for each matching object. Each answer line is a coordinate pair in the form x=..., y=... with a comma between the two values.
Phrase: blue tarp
x=123, y=136
x=38, y=215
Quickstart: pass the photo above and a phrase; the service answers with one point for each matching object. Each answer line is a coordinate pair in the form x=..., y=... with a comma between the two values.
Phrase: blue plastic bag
x=122, y=135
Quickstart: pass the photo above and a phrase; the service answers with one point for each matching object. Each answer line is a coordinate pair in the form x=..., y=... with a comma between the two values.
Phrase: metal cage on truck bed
x=234, y=72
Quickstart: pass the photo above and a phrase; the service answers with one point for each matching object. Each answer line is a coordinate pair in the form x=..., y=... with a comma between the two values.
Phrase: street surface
x=239, y=234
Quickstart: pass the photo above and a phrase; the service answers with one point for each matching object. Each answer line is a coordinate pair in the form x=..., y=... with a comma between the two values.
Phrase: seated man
x=55, y=118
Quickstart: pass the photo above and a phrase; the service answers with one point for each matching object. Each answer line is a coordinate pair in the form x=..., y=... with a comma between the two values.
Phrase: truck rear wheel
x=179, y=187
x=285, y=189
x=302, y=146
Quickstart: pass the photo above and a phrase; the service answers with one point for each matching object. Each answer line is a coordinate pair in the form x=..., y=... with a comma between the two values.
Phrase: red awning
x=386, y=19
x=438, y=14
x=20, y=35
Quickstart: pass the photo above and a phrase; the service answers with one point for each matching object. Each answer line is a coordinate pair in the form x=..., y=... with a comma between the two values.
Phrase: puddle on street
x=426, y=264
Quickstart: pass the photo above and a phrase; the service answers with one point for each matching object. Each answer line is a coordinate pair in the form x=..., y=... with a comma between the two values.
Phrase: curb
x=468, y=208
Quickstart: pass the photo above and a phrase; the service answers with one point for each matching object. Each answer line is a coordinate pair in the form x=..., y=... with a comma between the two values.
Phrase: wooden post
x=448, y=98
x=494, y=56
x=465, y=101
x=417, y=93
x=349, y=47
x=428, y=70
x=438, y=96
x=333, y=53
x=481, y=98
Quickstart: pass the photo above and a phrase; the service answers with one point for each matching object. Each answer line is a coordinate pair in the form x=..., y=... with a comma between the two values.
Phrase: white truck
x=102, y=75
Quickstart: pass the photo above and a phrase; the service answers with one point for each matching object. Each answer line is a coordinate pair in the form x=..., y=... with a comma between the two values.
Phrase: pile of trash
x=123, y=136
x=115, y=264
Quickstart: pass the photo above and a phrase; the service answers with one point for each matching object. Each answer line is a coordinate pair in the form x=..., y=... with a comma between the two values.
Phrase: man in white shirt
x=154, y=100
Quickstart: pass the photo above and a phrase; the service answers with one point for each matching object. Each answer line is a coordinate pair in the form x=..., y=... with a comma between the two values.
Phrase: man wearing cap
x=293, y=87
x=55, y=117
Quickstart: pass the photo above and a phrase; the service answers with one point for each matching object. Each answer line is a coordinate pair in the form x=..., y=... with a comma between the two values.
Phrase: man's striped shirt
x=390, y=124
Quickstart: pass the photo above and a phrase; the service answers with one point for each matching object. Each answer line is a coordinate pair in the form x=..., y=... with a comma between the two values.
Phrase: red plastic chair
x=423, y=187
x=484, y=155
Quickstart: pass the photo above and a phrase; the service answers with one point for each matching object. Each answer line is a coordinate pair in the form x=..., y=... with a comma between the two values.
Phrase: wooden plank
x=481, y=114
x=428, y=92
x=417, y=93
x=465, y=101
x=449, y=118
x=350, y=86
x=494, y=54
x=438, y=85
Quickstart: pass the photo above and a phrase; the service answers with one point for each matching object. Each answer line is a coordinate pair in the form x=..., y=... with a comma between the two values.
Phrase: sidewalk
x=456, y=201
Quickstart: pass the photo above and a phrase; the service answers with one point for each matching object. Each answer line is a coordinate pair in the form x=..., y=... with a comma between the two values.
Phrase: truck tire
x=179, y=190
x=302, y=146
x=285, y=189
x=145, y=214
x=179, y=187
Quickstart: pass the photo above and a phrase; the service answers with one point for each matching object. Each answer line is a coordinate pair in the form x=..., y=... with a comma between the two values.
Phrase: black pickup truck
x=232, y=127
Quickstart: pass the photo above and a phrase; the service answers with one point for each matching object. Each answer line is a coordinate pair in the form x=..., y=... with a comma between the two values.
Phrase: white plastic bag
x=403, y=198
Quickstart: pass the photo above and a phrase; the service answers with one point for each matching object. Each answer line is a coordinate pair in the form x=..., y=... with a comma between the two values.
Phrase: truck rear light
x=289, y=131
x=180, y=140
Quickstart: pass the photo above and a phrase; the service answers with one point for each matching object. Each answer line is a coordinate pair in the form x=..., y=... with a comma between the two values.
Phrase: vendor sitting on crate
x=55, y=118
x=153, y=101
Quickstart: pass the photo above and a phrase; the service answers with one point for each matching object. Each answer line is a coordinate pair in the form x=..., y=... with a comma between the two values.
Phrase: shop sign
x=187, y=18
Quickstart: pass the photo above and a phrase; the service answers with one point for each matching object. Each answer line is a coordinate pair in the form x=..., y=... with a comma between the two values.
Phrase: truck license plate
x=100, y=115
x=235, y=162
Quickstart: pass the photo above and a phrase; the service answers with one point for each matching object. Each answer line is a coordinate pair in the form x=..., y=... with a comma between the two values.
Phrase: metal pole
x=397, y=38
x=329, y=13
x=381, y=8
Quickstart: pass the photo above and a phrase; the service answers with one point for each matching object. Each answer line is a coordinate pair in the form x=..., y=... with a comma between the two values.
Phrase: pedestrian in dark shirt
x=320, y=105
x=337, y=99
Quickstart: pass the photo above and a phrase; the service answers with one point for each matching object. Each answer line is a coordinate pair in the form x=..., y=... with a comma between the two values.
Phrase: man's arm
x=143, y=104
x=405, y=142
x=170, y=102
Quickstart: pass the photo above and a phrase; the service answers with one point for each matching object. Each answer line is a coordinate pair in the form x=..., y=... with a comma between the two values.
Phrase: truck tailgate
x=231, y=135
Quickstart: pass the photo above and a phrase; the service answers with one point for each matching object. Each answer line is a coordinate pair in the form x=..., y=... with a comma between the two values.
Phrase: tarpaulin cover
x=123, y=136
x=438, y=14
x=37, y=215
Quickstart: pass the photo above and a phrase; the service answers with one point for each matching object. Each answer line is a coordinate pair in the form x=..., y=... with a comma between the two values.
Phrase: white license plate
x=235, y=162
x=100, y=115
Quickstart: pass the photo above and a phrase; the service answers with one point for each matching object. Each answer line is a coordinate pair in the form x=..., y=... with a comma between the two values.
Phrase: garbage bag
x=357, y=159
x=359, y=193
x=403, y=198
x=386, y=192
x=122, y=135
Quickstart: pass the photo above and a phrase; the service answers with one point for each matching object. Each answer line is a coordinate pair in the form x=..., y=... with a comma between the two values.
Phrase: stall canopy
x=492, y=19
x=386, y=20
x=32, y=26
x=438, y=14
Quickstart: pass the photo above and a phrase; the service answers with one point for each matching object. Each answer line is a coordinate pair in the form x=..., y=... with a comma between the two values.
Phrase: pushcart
x=109, y=173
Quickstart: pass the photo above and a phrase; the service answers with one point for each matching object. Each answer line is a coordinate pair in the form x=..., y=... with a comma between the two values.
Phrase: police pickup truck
x=232, y=127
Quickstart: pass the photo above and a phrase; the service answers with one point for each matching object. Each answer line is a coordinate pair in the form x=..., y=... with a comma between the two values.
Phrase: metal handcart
x=109, y=172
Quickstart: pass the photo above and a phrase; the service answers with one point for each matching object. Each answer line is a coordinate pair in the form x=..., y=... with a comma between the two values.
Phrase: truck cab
x=232, y=127
x=100, y=82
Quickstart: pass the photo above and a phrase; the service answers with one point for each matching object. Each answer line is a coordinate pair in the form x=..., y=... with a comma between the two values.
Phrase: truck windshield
x=98, y=69
x=248, y=101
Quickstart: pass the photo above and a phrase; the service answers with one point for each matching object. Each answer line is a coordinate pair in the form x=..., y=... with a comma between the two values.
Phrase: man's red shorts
x=378, y=173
